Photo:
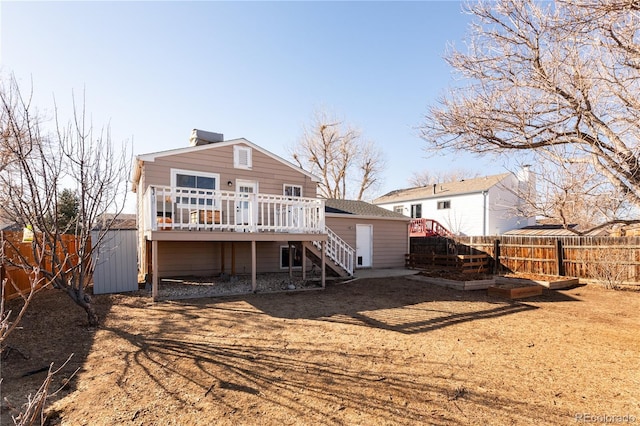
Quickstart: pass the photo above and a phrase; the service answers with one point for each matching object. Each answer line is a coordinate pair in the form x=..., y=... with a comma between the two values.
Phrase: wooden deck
x=427, y=228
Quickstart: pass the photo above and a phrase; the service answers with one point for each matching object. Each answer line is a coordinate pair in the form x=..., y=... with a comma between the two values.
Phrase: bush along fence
x=612, y=261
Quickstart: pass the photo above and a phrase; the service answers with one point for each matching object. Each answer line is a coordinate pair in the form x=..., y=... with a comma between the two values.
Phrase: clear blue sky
x=156, y=70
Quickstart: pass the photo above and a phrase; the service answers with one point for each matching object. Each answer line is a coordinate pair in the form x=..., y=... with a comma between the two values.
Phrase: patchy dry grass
x=378, y=351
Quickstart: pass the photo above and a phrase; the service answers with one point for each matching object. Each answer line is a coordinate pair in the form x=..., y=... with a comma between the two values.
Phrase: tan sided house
x=380, y=236
x=233, y=207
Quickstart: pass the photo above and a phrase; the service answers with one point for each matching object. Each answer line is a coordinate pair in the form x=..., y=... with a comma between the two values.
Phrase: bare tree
x=348, y=165
x=426, y=177
x=570, y=196
x=33, y=411
x=557, y=81
x=40, y=164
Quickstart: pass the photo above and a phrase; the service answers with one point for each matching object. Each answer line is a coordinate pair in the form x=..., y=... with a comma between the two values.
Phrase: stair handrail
x=423, y=225
x=338, y=251
x=441, y=230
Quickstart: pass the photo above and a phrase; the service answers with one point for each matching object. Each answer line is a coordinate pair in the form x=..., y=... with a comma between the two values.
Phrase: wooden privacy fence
x=18, y=279
x=466, y=263
x=595, y=258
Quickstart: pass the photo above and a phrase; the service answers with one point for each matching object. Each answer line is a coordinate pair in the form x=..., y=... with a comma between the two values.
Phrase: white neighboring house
x=478, y=207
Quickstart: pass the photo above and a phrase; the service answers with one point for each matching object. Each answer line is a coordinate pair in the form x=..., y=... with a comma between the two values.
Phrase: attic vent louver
x=201, y=137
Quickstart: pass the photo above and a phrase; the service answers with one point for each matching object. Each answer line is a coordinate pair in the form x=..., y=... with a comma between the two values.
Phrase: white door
x=244, y=208
x=364, y=246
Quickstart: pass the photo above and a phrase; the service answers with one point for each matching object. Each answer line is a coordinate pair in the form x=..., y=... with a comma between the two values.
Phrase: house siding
x=186, y=258
x=502, y=202
x=142, y=246
x=270, y=173
x=201, y=258
x=390, y=237
x=465, y=217
x=205, y=258
x=487, y=212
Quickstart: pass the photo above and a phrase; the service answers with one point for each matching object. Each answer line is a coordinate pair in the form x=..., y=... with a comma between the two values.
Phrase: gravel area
x=225, y=285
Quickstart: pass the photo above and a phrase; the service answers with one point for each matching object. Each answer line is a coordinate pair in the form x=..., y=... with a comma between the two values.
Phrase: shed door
x=364, y=246
x=116, y=262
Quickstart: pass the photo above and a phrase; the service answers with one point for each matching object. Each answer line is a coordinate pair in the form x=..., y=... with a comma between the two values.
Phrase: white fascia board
x=153, y=155
x=356, y=216
x=439, y=196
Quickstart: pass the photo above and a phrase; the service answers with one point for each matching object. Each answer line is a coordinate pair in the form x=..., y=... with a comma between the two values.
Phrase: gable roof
x=9, y=226
x=544, y=230
x=465, y=186
x=359, y=208
x=124, y=221
x=150, y=157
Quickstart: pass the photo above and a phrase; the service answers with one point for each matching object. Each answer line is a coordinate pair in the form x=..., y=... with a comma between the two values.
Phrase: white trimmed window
x=292, y=190
x=242, y=157
x=416, y=211
x=398, y=209
x=203, y=184
x=442, y=205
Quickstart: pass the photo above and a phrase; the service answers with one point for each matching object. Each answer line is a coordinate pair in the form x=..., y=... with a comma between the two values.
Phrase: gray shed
x=116, y=258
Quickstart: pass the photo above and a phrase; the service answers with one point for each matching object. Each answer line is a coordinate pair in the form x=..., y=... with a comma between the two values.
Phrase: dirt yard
x=370, y=352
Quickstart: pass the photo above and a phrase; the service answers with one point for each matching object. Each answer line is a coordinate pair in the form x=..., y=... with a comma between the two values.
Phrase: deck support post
x=233, y=259
x=222, y=259
x=290, y=260
x=304, y=262
x=154, y=269
x=254, y=281
x=323, y=245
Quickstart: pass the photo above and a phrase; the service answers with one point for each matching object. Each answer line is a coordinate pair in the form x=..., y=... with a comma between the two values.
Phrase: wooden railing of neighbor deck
x=19, y=279
x=590, y=258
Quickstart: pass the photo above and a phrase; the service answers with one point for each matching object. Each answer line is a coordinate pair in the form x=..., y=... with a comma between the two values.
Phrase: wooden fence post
x=496, y=257
x=559, y=258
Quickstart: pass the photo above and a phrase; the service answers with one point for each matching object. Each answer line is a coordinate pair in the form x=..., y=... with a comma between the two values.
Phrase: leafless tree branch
x=348, y=165
x=39, y=164
x=558, y=82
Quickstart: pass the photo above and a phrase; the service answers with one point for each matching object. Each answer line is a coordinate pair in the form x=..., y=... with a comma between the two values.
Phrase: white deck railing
x=175, y=208
x=339, y=251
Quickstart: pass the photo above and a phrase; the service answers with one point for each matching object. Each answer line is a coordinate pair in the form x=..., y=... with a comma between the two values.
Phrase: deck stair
x=339, y=256
x=428, y=228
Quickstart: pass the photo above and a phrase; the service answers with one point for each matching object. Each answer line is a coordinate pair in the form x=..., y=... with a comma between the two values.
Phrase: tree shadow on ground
x=396, y=304
x=52, y=329
x=263, y=373
x=265, y=368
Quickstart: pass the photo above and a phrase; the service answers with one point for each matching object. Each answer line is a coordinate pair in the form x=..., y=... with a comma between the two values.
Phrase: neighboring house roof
x=6, y=224
x=124, y=221
x=618, y=230
x=137, y=169
x=465, y=186
x=9, y=226
x=359, y=208
x=546, y=230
